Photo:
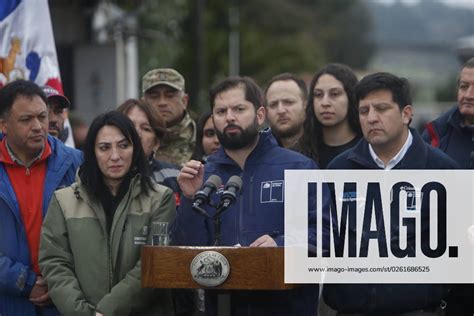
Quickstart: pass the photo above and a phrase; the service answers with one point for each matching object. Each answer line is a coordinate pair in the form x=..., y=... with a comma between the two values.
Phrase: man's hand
x=190, y=178
x=39, y=294
x=264, y=241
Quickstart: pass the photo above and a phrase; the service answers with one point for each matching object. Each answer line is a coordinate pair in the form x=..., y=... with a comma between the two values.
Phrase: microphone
x=231, y=190
x=202, y=196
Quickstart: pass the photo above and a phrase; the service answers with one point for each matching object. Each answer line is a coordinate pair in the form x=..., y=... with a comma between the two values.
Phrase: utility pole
x=234, y=39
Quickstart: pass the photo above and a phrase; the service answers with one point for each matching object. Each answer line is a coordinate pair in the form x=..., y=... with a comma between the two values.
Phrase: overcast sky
x=455, y=3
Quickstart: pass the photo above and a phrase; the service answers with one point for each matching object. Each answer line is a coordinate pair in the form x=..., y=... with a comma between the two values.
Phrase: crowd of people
x=72, y=222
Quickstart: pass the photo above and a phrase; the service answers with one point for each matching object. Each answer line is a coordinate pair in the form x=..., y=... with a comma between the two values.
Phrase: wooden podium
x=250, y=268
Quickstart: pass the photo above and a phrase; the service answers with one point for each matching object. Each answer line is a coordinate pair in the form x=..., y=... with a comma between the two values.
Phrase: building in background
x=97, y=52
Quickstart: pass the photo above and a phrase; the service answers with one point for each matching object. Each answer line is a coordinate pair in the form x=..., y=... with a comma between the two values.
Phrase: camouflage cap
x=166, y=76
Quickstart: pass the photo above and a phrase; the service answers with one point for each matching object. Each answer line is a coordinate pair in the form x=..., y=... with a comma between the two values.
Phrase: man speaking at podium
x=256, y=218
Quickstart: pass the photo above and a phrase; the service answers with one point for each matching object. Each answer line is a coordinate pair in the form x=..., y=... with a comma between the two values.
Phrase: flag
x=27, y=49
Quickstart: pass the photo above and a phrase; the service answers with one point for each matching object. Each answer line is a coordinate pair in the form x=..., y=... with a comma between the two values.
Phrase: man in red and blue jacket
x=32, y=166
x=453, y=131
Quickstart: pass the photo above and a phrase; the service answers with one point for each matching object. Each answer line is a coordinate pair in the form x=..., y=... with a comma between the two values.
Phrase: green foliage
x=448, y=91
x=161, y=33
x=276, y=36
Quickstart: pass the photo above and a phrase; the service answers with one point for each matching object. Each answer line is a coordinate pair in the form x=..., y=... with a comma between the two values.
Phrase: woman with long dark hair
x=94, y=229
x=207, y=142
x=332, y=120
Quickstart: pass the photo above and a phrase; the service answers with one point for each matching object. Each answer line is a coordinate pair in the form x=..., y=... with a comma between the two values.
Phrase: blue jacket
x=449, y=134
x=387, y=298
x=258, y=211
x=16, y=275
x=165, y=174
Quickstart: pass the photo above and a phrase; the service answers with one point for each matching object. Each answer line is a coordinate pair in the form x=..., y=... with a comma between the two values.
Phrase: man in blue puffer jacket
x=257, y=217
x=385, y=112
x=32, y=166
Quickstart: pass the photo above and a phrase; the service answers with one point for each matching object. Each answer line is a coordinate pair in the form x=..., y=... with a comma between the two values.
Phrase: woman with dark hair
x=94, y=229
x=151, y=129
x=207, y=142
x=332, y=120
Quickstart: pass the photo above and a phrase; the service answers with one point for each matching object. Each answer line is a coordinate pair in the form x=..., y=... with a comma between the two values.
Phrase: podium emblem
x=210, y=268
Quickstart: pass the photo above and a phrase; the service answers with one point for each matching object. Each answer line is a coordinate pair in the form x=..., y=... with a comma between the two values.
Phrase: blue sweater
x=16, y=275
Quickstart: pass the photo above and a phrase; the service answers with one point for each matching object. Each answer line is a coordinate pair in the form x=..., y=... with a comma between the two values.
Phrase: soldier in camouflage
x=163, y=88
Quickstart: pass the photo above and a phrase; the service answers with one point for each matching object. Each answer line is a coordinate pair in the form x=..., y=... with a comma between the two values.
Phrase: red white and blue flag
x=27, y=49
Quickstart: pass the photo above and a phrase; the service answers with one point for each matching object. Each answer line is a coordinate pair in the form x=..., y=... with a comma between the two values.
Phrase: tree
x=276, y=36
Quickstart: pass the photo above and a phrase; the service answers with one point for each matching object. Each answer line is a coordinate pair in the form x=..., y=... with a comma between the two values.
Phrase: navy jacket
x=449, y=134
x=165, y=174
x=16, y=275
x=258, y=211
x=387, y=298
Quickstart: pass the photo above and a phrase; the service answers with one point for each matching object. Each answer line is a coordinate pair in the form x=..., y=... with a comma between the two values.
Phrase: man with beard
x=257, y=217
x=285, y=98
x=57, y=104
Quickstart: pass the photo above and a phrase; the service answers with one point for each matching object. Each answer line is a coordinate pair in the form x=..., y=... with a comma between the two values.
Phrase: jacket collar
x=177, y=131
x=266, y=141
x=80, y=190
x=455, y=118
x=414, y=158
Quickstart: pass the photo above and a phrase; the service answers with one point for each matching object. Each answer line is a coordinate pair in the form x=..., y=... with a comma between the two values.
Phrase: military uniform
x=177, y=145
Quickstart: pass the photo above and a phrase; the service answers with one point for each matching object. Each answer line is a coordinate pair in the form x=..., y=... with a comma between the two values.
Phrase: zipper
x=251, y=196
x=110, y=263
x=241, y=213
x=109, y=251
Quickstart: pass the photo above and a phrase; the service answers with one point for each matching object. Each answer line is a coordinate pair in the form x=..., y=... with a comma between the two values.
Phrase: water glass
x=160, y=234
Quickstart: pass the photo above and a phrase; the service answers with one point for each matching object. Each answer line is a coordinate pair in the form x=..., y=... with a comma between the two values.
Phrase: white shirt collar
x=397, y=158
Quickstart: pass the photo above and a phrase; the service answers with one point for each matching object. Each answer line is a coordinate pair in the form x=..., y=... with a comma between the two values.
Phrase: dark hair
x=14, y=89
x=89, y=170
x=252, y=91
x=198, y=151
x=467, y=64
x=399, y=87
x=157, y=123
x=288, y=77
x=313, y=132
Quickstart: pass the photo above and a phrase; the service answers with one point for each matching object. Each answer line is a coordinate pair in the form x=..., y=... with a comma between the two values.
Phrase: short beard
x=288, y=133
x=238, y=141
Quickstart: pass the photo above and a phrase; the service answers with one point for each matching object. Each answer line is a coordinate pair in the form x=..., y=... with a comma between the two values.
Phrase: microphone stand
x=217, y=222
x=220, y=208
x=217, y=218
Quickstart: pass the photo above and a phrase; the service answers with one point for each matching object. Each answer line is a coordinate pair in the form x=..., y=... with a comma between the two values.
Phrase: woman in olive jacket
x=92, y=234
